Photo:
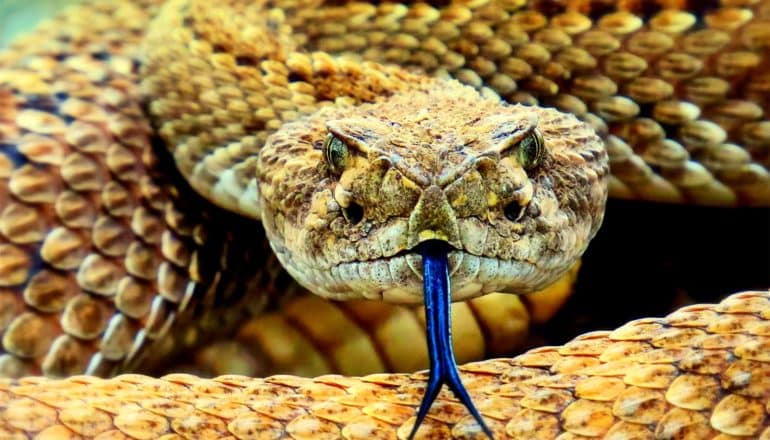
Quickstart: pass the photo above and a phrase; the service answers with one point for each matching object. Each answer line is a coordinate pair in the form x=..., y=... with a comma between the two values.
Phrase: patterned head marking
x=349, y=192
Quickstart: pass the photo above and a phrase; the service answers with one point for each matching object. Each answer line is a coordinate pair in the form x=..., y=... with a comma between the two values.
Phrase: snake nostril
x=513, y=211
x=353, y=213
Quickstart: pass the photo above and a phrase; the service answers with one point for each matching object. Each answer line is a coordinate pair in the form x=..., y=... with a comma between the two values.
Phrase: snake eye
x=531, y=150
x=337, y=154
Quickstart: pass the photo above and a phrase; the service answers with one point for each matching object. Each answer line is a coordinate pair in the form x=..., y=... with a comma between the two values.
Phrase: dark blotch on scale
x=101, y=55
x=44, y=103
x=12, y=152
x=443, y=366
x=701, y=7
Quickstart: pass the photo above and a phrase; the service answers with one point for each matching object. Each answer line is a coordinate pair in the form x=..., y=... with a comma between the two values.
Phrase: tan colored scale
x=699, y=84
x=100, y=256
x=118, y=255
x=625, y=383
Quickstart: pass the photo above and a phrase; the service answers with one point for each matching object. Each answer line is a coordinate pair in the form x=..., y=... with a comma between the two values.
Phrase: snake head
x=349, y=193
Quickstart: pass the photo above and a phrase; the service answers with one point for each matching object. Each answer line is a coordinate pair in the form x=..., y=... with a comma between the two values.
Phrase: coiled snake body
x=339, y=128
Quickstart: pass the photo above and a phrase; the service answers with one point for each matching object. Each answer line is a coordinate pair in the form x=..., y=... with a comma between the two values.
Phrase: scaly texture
x=103, y=250
x=511, y=230
x=106, y=255
x=702, y=372
x=678, y=88
x=100, y=253
x=361, y=337
x=448, y=170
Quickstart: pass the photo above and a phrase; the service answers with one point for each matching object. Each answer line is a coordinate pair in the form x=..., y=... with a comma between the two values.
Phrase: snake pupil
x=513, y=211
x=354, y=213
x=531, y=150
x=336, y=154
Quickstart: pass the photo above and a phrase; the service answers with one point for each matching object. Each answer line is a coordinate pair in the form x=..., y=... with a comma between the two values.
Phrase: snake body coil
x=355, y=132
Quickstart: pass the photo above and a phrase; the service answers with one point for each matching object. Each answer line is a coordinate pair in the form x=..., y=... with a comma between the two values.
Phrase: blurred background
x=16, y=16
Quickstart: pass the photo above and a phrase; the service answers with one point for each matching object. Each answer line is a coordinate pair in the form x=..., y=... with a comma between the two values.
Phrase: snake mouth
x=413, y=255
x=399, y=277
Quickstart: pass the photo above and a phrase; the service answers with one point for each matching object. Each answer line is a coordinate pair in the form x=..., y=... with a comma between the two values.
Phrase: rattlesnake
x=96, y=220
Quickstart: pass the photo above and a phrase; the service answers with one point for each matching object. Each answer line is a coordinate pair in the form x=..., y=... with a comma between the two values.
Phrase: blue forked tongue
x=443, y=367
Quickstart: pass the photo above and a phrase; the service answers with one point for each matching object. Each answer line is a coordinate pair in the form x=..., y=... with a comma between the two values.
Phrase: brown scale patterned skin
x=101, y=255
x=130, y=254
x=447, y=171
x=194, y=71
x=680, y=98
x=702, y=372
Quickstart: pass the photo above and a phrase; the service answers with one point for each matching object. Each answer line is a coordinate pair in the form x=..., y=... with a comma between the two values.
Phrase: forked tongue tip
x=443, y=367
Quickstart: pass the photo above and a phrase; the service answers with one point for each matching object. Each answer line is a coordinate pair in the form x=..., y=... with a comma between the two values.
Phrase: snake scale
x=133, y=165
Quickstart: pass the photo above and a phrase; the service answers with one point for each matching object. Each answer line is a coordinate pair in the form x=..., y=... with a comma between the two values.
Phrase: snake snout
x=433, y=219
x=433, y=222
